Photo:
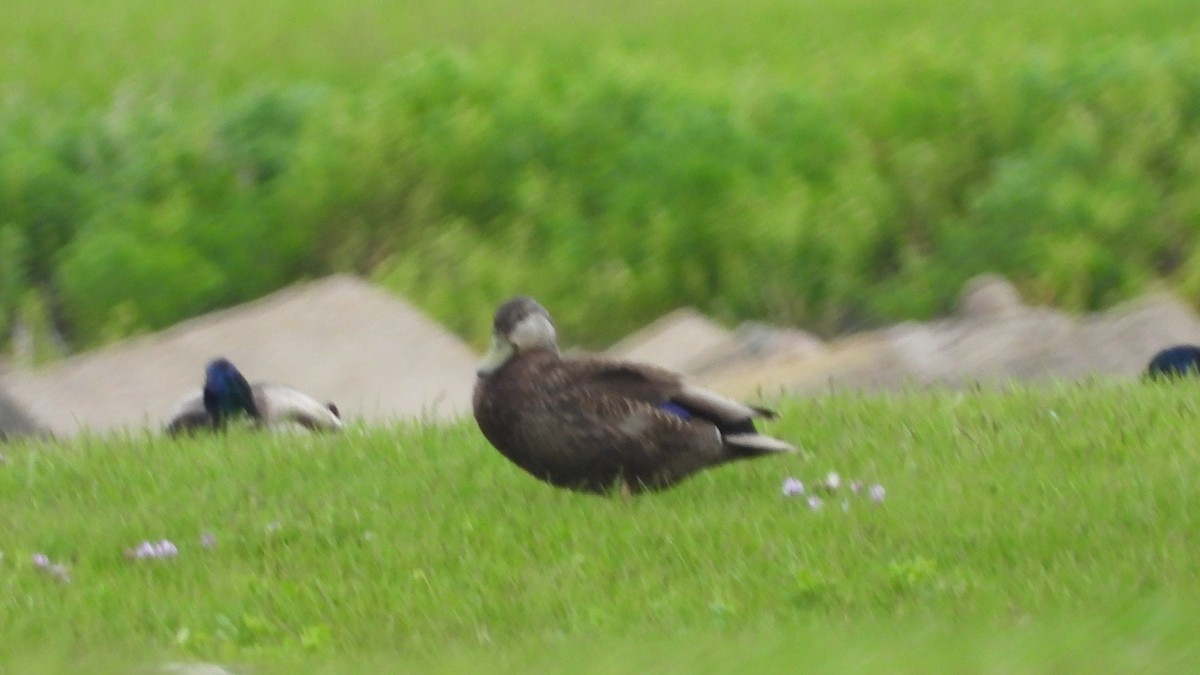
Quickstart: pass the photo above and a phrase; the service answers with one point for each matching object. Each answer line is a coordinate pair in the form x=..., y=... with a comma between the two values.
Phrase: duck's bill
x=499, y=352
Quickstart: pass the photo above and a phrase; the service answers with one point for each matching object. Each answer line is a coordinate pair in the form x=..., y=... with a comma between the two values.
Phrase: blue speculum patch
x=676, y=409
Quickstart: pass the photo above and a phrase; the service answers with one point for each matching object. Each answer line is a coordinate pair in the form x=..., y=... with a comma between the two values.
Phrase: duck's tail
x=755, y=445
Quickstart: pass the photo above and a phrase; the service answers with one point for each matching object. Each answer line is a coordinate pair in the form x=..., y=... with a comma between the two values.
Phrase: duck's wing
x=658, y=387
x=281, y=403
x=625, y=379
x=188, y=415
x=659, y=396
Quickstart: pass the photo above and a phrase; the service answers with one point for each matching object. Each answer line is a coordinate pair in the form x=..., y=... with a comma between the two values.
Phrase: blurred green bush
x=613, y=192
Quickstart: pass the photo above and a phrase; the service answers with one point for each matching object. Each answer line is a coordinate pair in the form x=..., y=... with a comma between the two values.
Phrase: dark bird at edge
x=1176, y=361
x=595, y=424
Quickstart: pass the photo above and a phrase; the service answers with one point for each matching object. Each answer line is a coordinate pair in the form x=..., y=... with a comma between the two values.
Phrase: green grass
x=1031, y=530
x=62, y=50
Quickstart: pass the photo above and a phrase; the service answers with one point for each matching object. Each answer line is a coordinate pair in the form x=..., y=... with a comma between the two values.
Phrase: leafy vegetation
x=1020, y=528
x=824, y=166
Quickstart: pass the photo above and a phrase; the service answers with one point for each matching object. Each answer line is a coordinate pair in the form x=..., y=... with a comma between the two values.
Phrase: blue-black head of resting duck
x=595, y=424
x=227, y=396
x=1176, y=361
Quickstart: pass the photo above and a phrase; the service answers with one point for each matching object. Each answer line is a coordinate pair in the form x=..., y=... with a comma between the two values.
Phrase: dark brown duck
x=597, y=424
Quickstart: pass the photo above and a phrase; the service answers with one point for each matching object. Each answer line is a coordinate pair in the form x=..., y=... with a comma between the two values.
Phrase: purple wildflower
x=167, y=550
x=56, y=570
x=814, y=502
x=855, y=486
x=877, y=493
x=792, y=487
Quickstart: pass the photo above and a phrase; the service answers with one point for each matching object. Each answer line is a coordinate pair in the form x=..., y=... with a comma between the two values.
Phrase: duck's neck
x=224, y=403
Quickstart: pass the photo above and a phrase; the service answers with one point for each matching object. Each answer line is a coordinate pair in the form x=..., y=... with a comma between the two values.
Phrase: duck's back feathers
x=281, y=403
x=666, y=393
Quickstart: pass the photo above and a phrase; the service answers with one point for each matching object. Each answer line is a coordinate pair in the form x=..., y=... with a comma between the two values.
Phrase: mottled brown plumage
x=596, y=424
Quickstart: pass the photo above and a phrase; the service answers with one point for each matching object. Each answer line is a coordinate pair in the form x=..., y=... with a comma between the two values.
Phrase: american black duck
x=597, y=424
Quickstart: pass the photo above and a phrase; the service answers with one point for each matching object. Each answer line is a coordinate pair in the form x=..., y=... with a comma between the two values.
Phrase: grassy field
x=1026, y=530
x=61, y=50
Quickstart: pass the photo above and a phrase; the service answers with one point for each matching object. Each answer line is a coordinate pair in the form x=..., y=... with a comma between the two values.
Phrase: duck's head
x=521, y=325
x=1177, y=361
x=226, y=392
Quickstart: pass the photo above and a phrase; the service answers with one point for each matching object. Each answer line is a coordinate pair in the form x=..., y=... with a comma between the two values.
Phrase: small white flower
x=814, y=502
x=833, y=481
x=792, y=487
x=877, y=493
x=59, y=571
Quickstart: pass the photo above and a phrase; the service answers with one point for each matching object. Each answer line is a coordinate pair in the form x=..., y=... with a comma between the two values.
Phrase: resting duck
x=1175, y=361
x=594, y=424
x=227, y=395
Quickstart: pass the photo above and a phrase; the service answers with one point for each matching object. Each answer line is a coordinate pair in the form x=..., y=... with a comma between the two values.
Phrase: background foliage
x=830, y=167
